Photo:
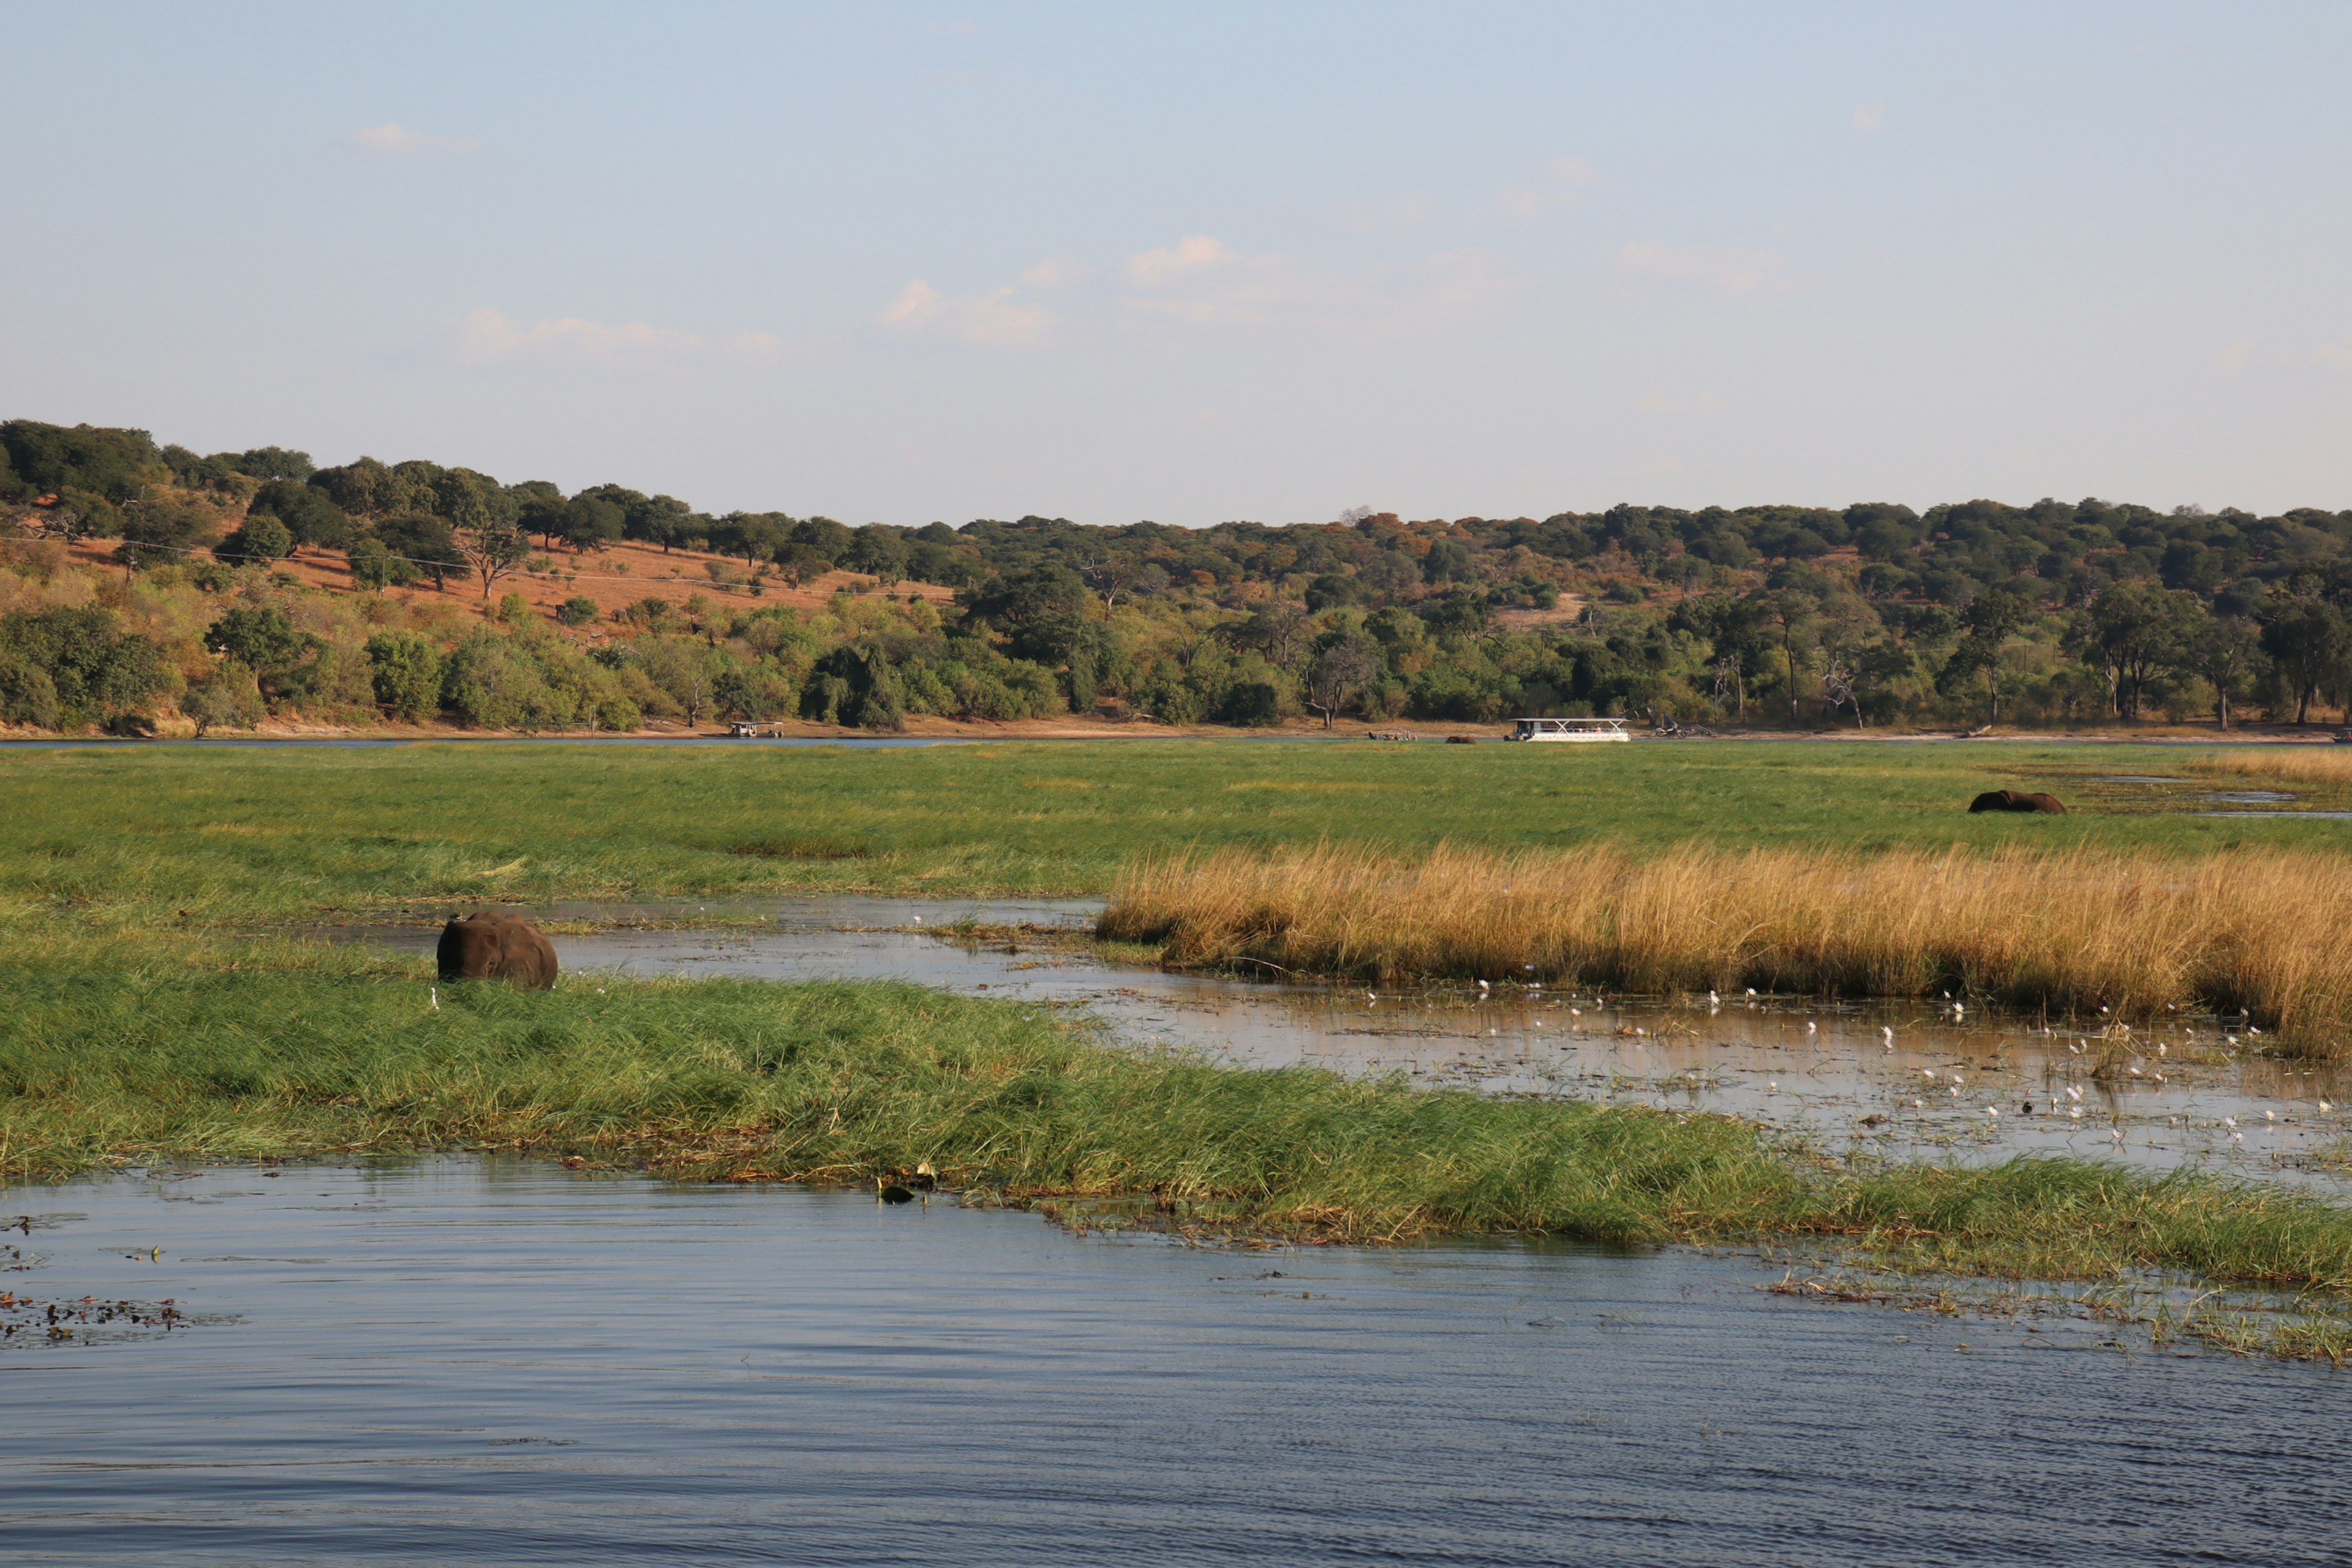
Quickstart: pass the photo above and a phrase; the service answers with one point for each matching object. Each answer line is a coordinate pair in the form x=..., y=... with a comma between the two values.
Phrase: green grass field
x=255, y=833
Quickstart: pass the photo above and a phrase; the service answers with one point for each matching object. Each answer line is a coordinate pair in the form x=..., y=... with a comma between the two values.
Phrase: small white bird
x=2269, y=1116
x=1918, y=1105
x=2117, y=1134
x=2231, y=1041
x=1927, y=1072
x=1482, y=986
x=1751, y=990
x=2073, y=1092
x=2077, y=1112
x=2229, y=1122
x=1811, y=1027
x=1886, y=1037
x=1772, y=1085
x=2237, y=1137
x=2252, y=1030
x=1991, y=1111
x=2325, y=1106
x=1712, y=1000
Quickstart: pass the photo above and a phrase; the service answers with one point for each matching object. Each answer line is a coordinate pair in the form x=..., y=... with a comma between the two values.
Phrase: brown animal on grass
x=2015, y=800
x=494, y=945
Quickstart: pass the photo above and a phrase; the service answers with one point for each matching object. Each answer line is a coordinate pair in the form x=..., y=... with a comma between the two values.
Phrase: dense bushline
x=1968, y=614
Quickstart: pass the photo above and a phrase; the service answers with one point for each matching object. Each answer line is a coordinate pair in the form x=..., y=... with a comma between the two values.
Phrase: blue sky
x=1199, y=263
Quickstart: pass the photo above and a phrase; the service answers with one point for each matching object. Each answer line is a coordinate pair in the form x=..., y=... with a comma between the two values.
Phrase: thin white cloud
x=1281, y=291
x=1186, y=255
x=2237, y=355
x=490, y=337
x=2336, y=356
x=1408, y=211
x=1869, y=117
x=995, y=320
x=395, y=140
x=1722, y=266
x=1054, y=272
x=1563, y=186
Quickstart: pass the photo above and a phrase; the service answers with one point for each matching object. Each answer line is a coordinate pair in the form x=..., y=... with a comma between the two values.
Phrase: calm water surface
x=464, y=1362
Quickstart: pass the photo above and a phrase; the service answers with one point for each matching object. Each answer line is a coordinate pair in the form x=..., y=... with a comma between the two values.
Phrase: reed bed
x=2071, y=931
x=2326, y=764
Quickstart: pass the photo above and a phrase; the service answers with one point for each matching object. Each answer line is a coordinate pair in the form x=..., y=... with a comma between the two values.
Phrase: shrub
x=576, y=611
x=405, y=671
x=1253, y=704
x=95, y=672
x=373, y=565
x=228, y=698
x=262, y=538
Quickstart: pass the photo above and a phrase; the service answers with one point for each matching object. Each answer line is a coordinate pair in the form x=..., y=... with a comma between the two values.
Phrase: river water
x=1902, y=1078
x=462, y=1362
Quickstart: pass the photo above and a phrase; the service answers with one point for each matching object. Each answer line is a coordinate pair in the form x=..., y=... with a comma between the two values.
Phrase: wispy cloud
x=396, y=141
x=491, y=337
x=1201, y=282
x=1563, y=186
x=1721, y=266
x=997, y=318
x=1186, y=255
x=1869, y=117
x=2336, y=356
x=1408, y=211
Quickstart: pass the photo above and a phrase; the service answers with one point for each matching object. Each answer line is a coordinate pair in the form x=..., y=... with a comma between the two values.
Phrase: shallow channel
x=457, y=1361
x=1909, y=1078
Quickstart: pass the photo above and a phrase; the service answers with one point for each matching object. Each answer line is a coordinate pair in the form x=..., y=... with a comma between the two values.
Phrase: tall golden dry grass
x=2269, y=931
x=2322, y=764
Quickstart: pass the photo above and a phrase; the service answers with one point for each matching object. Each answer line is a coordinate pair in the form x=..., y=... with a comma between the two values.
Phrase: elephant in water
x=2012, y=800
x=493, y=944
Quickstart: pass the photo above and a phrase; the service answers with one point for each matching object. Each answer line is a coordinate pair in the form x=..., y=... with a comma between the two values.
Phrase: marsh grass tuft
x=2068, y=931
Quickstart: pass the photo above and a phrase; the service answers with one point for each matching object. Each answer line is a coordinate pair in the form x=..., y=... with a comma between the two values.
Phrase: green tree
x=1343, y=668
x=590, y=523
x=226, y=698
x=262, y=538
x=308, y=516
x=2138, y=629
x=2227, y=653
x=2308, y=639
x=1992, y=618
x=163, y=527
x=95, y=669
x=577, y=611
x=266, y=642
x=406, y=670
x=424, y=542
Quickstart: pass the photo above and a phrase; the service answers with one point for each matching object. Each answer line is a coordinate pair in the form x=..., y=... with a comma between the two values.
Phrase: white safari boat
x=1569, y=730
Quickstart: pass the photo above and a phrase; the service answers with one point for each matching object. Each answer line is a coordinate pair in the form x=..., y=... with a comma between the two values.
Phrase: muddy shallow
x=1948, y=1084
x=463, y=1361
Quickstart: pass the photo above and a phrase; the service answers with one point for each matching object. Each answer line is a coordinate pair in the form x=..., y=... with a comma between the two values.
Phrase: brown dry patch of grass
x=2314, y=764
x=2070, y=930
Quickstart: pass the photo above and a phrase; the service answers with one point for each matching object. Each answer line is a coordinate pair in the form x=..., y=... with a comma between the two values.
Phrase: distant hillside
x=263, y=587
